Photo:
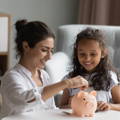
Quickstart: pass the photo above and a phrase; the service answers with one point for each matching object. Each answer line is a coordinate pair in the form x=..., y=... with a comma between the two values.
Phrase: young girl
x=90, y=60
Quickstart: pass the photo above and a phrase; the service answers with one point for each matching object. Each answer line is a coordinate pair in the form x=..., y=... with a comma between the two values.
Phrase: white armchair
x=66, y=34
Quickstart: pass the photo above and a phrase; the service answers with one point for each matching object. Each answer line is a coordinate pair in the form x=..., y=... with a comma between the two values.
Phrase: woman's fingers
x=83, y=83
x=77, y=82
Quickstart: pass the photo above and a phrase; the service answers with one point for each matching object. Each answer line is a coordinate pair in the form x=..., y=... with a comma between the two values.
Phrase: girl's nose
x=87, y=57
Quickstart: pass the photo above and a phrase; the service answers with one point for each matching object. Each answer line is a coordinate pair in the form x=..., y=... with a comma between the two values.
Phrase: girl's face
x=89, y=54
x=42, y=52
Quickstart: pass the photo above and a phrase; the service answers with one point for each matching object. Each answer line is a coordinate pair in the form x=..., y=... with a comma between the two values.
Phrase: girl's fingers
x=103, y=106
x=100, y=104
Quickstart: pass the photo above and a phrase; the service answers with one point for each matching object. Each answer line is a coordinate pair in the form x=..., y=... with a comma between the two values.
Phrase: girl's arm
x=64, y=102
x=116, y=94
x=116, y=98
x=115, y=107
x=102, y=106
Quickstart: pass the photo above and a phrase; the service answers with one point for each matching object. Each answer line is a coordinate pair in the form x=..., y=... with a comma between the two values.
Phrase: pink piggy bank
x=84, y=104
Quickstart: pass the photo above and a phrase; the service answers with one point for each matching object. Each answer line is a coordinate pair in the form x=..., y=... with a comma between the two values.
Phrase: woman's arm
x=53, y=89
x=16, y=92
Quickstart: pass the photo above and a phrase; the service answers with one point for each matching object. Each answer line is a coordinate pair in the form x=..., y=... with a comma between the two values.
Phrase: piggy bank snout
x=89, y=103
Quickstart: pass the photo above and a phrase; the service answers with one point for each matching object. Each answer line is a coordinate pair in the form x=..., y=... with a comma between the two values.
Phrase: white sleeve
x=13, y=87
x=114, y=78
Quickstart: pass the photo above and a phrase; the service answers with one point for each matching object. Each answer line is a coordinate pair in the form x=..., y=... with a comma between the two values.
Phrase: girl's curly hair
x=102, y=79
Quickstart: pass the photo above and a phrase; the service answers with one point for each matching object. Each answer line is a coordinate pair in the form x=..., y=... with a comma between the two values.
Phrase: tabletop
x=63, y=114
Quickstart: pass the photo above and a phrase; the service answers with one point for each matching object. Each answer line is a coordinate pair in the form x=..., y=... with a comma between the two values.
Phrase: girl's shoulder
x=114, y=77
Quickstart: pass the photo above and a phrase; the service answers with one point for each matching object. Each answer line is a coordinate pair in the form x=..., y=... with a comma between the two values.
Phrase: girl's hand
x=103, y=106
x=76, y=82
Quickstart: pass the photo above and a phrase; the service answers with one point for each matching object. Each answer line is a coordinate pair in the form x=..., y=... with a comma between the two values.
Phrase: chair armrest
x=57, y=66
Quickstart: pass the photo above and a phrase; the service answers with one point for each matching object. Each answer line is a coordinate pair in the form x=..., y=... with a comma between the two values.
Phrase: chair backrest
x=66, y=36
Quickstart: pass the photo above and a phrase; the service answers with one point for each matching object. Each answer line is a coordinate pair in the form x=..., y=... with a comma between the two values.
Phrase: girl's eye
x=81, y=54
x=93, y=54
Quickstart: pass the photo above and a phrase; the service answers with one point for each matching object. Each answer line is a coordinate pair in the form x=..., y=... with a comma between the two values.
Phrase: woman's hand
x=76, y=82
x=103, y=106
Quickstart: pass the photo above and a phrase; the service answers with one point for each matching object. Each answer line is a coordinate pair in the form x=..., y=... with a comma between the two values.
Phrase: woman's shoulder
x=13, y=73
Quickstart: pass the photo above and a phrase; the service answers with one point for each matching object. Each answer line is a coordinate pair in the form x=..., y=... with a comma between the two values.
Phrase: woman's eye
x=47, y=51
x=52, y=51
x=44, y=50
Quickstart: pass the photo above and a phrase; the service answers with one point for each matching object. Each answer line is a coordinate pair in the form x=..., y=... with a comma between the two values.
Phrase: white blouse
x=17, y=88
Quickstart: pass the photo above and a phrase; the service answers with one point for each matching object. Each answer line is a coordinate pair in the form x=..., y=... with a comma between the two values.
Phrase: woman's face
x=40, y=53
x=89, y=54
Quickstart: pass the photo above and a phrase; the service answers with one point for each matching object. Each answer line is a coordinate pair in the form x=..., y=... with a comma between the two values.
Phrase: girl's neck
x=91, y=71
x=87, y=72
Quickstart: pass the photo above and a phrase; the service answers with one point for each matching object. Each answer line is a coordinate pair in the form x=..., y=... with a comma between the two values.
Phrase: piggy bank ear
x=94, y=93
x=80, y=94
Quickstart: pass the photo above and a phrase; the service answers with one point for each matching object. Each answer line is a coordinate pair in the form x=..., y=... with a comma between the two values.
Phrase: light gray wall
x=52, y=12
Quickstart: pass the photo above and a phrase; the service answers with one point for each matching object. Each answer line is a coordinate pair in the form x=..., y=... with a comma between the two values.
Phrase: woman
x=26, y=87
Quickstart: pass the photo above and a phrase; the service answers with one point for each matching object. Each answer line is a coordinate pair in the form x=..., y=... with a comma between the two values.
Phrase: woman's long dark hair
x=102, y=78
x=31, y=32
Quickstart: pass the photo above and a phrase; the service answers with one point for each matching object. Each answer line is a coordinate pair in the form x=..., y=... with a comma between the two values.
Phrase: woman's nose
x=49, y=55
